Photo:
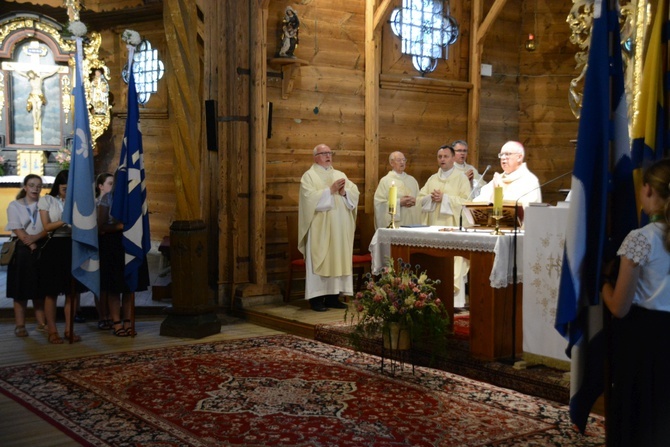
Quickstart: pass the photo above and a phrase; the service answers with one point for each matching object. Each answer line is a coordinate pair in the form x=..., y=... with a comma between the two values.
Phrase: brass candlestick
x=392, y=213
x=497, y=215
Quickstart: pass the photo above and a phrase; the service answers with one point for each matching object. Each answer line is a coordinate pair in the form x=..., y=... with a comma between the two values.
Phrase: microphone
x=540, y=186
x=512, y=360
x=460, y=219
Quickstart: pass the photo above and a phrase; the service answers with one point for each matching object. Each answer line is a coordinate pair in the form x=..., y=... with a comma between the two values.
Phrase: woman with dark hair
x=56, y=256
x=112, y=266
x=22, y=273
x=104, y=183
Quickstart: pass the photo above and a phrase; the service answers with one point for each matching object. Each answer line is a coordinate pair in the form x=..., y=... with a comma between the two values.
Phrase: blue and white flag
x=579, y=315
x=129, y=201
x=79, y=209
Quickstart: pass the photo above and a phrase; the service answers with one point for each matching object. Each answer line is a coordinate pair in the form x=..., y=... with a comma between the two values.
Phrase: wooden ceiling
x=97, y=15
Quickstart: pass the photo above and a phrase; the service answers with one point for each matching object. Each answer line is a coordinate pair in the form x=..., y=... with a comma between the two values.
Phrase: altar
x=492, y=260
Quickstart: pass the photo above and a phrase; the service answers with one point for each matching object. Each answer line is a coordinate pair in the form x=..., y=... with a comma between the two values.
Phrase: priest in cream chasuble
x=327, y=222
x=441, y=199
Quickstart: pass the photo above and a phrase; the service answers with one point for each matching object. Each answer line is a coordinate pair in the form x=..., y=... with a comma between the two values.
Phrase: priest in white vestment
x=441, y=199
x=460, y=154
x=407, y=213
x=517, y=181
x=327, y=222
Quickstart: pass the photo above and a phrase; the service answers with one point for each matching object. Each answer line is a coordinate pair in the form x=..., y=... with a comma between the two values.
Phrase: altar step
x=294, y=317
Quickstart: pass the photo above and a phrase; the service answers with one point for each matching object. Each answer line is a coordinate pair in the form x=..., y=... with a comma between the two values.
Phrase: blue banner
x=80, y=209
x=129, y=204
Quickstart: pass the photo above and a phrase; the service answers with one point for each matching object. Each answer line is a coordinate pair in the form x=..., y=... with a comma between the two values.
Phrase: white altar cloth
x=472, y=240
x=545, y=232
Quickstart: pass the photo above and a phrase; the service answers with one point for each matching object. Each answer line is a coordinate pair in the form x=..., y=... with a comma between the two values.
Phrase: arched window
x=148, y=69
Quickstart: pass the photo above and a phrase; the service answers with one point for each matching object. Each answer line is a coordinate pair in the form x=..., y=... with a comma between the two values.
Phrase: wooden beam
x=478, y=30
x=372, y=68
x=257, y=140
x=483, y=29
x=381, y=13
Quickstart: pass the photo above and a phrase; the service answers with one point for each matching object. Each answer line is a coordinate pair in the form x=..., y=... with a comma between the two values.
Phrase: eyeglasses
x=326, y=154
x=507, y=154
x=460, y=151
x=401, y=160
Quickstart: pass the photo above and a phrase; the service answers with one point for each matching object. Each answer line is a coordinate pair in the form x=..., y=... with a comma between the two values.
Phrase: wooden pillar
x=257, y=148
x=190, y=315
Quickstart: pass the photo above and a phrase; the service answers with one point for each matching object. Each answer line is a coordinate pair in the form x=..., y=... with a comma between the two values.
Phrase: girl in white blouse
x=56, y=256
x=639, y=407
x=22, y=273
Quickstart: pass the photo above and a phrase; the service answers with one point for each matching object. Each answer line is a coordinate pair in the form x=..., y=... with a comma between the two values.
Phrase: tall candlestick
x=393, y=198
x=497, y=200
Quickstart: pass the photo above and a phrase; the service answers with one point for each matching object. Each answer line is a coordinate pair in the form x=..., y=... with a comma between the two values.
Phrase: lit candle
x=393, y=198
x=497, y=200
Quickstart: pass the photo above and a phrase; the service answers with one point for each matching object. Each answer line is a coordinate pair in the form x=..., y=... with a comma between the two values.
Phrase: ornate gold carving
x=580, y=21
x=96, y=87
x=30, y=162
x=635, y=16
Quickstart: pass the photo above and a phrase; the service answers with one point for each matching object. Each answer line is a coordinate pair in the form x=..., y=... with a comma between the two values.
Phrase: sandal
x=41, y=328
x=104, y=325
x=75, y=337
x=129, y=330
x=119, y=332
x=20, y=331
x=55, y=339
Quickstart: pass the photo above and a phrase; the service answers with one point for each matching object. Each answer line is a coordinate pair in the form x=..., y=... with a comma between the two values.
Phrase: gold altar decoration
x=634, y=21
x=94, y=68
x=30, y=162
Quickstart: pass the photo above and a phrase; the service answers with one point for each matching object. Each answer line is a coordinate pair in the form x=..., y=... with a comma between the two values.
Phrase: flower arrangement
x=405, y=296
x=64, y=157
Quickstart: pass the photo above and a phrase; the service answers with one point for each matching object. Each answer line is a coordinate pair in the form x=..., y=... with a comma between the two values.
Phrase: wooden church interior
x=227, y=181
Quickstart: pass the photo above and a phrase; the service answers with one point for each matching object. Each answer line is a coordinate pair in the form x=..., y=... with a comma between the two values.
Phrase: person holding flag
x=129, y=197
x=55, y=258
x=639, y=408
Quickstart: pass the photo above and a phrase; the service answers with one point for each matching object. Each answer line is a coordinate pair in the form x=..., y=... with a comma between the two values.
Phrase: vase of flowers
x=396, y=337
x=63, y=157
x=401, y=304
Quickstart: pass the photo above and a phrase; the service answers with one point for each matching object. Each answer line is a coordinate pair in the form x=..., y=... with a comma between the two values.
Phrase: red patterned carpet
x=280, y=390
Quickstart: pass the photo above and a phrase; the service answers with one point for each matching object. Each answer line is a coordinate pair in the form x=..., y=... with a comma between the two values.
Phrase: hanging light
x=530, y=42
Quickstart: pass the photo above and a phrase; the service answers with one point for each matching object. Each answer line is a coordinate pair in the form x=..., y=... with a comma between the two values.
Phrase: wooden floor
x=20, y=427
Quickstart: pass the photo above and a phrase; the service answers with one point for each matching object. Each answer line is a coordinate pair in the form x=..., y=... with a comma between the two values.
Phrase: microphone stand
x=512, y=359
x=460, y=218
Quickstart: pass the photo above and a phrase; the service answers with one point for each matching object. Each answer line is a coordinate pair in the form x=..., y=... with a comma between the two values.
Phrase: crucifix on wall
x=35, y=72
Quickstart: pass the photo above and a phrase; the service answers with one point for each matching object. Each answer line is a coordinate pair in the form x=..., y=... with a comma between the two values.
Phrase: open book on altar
x=479, y=213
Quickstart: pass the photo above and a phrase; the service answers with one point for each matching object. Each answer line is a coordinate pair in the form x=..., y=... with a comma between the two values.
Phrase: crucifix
x=35, y=73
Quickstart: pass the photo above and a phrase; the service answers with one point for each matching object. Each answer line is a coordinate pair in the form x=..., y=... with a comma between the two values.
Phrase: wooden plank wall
x=525, y=99
x=546, y=123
